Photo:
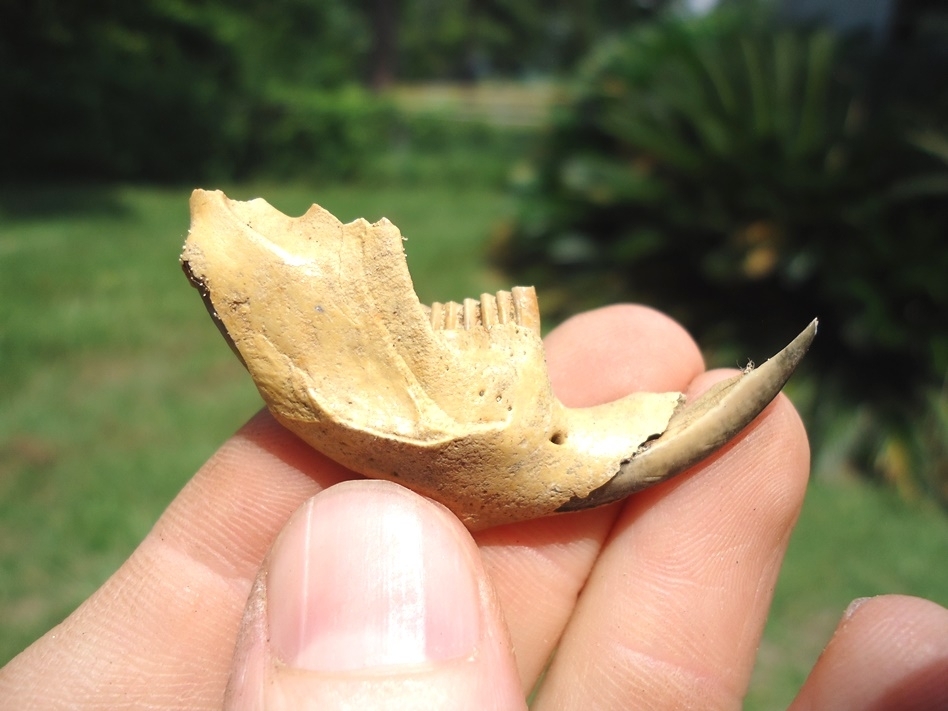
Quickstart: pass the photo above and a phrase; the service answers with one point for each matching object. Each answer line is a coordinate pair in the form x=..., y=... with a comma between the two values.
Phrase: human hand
x=373, y=597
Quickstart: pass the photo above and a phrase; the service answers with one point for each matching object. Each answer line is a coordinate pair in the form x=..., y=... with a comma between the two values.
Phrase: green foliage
x=429, y=148
x=747, y=179
x=169, y=90
x=351, y=134
x=178, y=90
x=96, y=88
x=320, y=134
x=465, y=39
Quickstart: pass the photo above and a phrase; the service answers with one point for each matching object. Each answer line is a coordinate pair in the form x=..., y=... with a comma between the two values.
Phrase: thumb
x=373, y=597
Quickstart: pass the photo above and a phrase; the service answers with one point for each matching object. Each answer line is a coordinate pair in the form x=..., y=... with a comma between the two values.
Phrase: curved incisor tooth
x=453, y=401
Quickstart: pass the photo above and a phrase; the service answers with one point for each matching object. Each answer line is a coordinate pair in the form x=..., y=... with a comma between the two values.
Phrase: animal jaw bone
x=453, y=401
x=702, y=427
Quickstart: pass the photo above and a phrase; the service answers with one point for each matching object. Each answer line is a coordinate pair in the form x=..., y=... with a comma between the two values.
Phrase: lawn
x=115, y=387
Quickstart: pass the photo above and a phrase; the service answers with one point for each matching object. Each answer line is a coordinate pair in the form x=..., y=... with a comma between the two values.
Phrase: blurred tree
x=95, y=88
x=177, y=89
x=306, y=43
x=472, y=39
x=158, y=89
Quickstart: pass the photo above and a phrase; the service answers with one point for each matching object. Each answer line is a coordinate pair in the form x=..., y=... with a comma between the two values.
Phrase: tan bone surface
x=453, y=401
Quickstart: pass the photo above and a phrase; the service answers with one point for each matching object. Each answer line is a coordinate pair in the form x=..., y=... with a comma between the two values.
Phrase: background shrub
x=319, y=134
x=185, y=90
x=168, y=91
x=747, y=178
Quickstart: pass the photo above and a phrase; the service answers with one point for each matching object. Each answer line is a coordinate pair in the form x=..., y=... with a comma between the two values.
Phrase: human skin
x=365, y=595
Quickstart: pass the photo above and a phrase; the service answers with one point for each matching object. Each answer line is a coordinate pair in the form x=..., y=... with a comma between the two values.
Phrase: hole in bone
x=558, y=437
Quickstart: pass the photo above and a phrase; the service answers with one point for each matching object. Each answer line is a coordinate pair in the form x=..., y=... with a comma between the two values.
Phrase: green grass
x=115, y=387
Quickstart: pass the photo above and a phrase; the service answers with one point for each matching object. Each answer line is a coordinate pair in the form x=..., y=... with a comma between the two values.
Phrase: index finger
x=539, y=567
x=673, y=612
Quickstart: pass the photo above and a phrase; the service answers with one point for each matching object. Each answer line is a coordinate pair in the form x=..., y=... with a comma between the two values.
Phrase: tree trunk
x=384, y=43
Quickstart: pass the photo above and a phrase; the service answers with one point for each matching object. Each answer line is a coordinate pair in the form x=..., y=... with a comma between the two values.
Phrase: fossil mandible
x=453, y=400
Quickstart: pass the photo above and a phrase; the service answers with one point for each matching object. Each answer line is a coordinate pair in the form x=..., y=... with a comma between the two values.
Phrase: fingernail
x=854, y=607
x=368, y=574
